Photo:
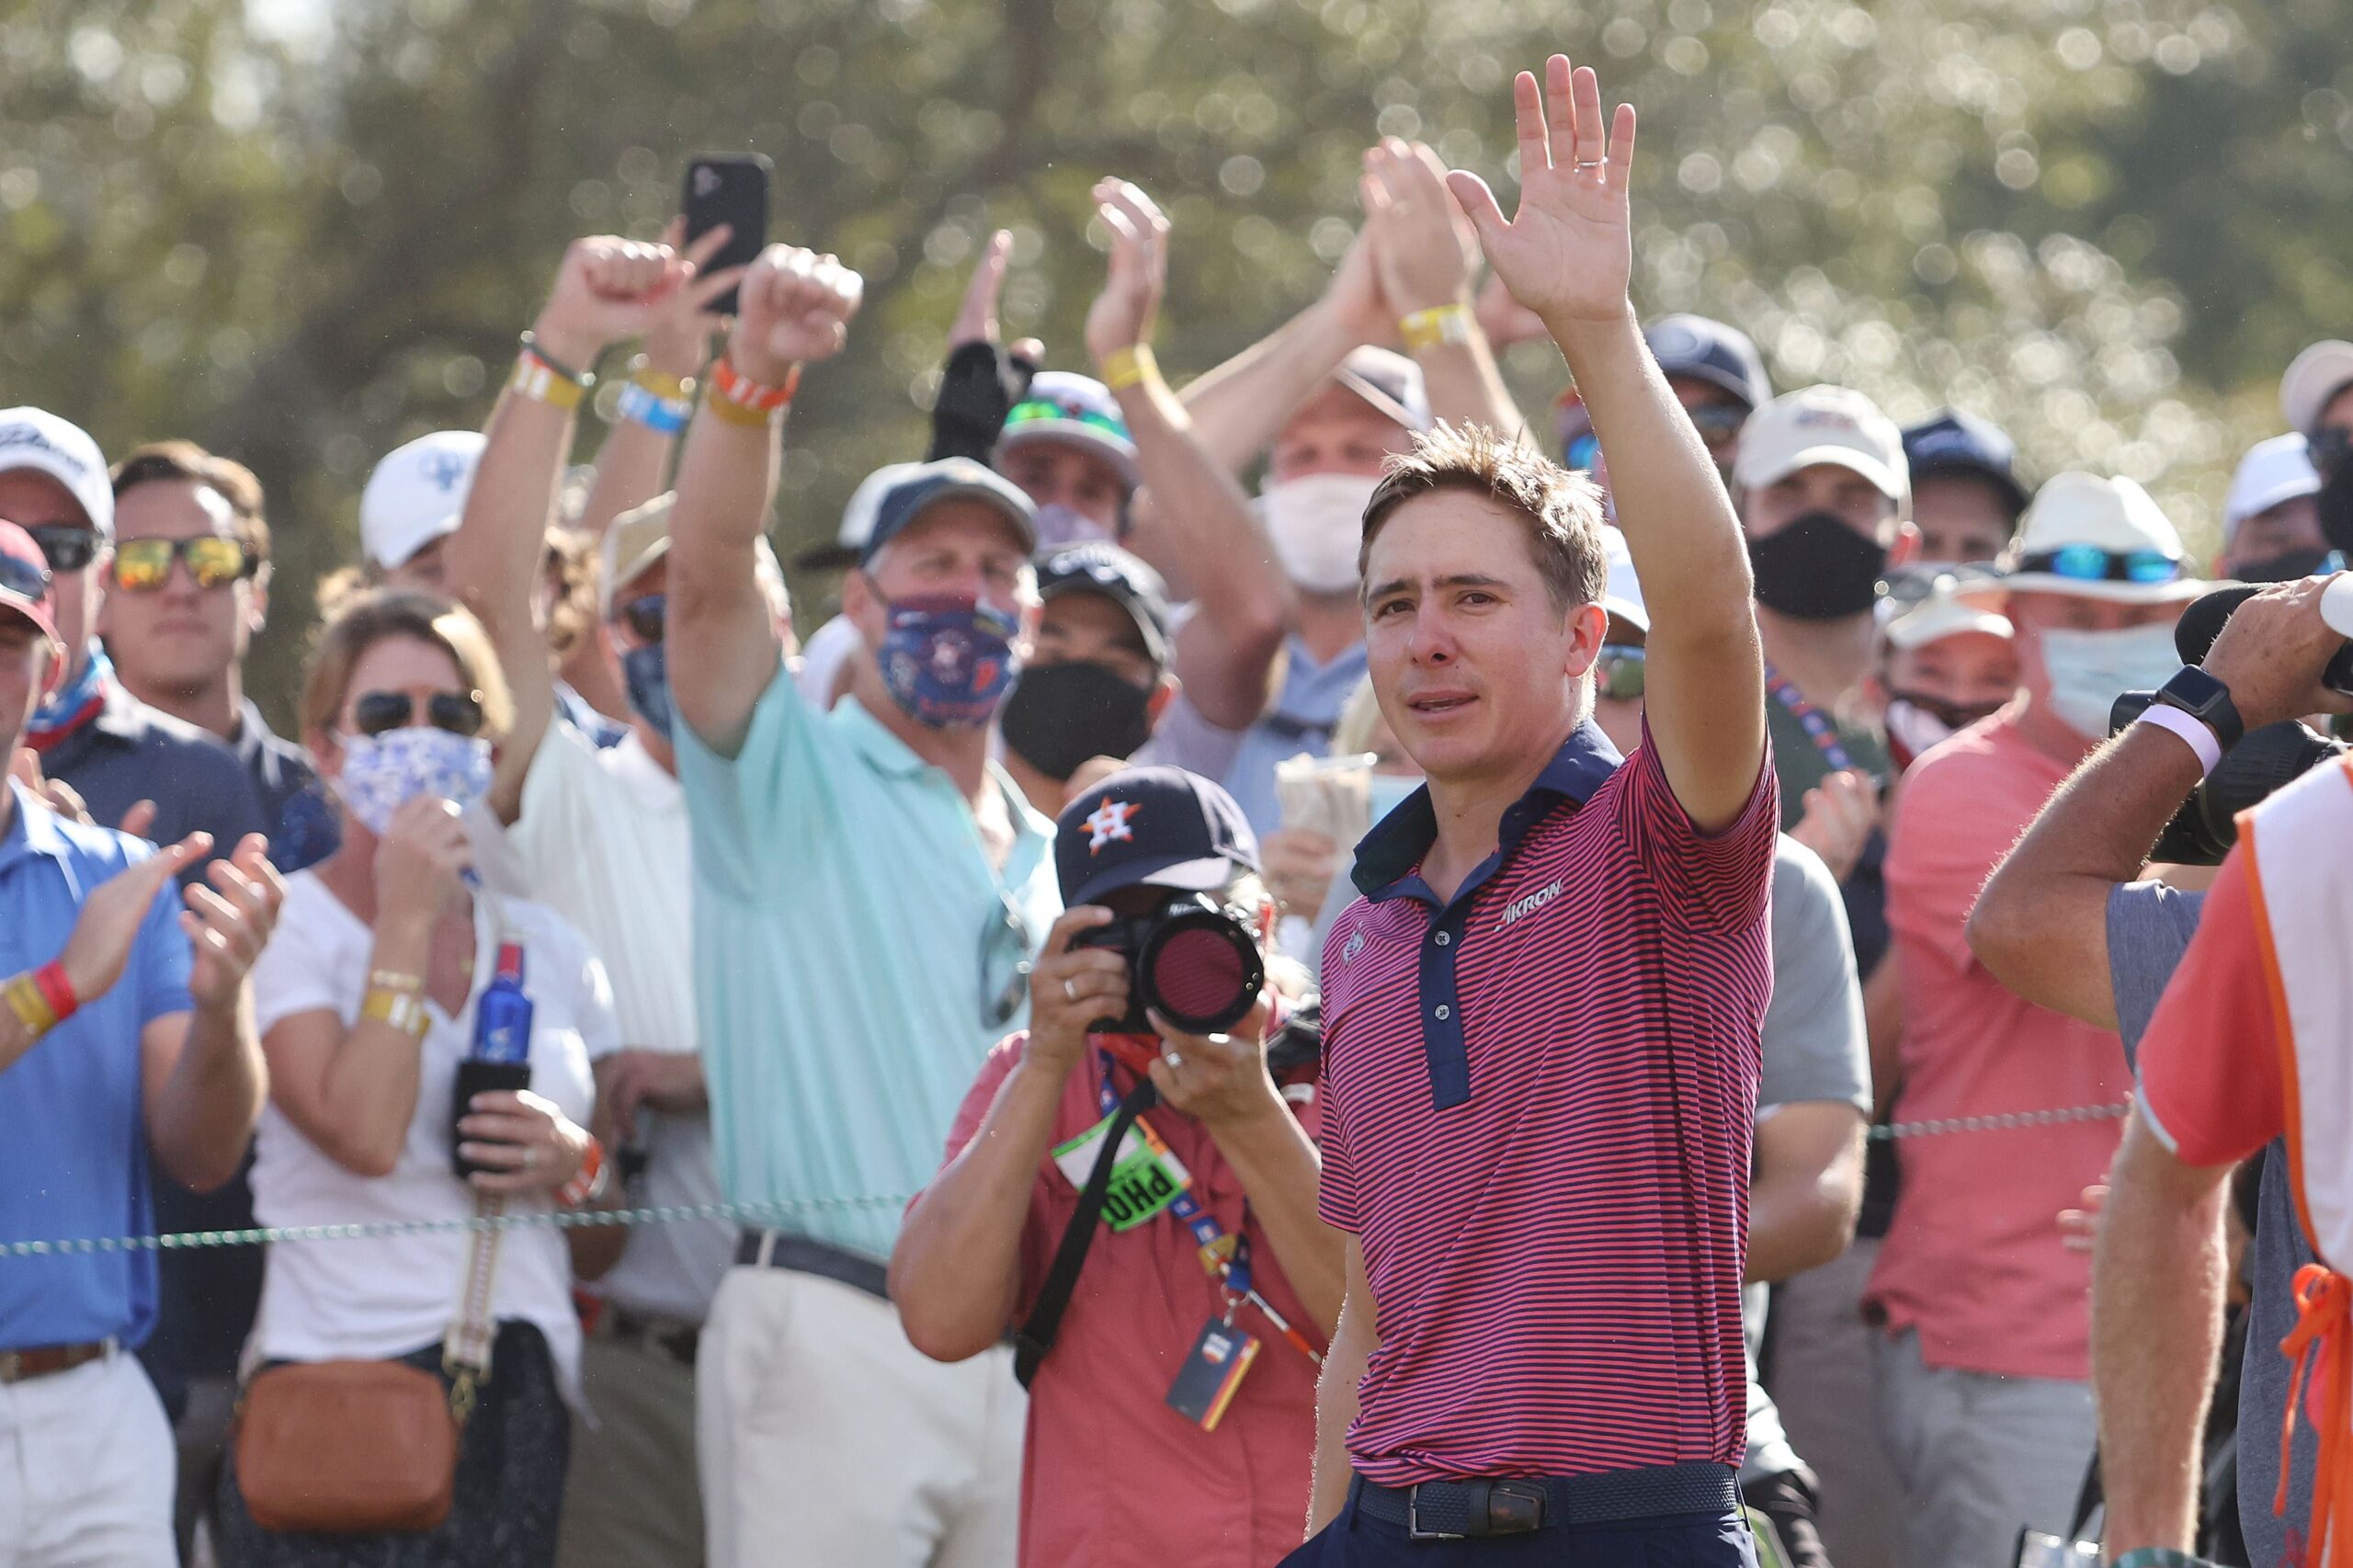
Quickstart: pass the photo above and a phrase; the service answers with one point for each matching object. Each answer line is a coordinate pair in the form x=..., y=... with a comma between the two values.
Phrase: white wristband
x=2193, y=732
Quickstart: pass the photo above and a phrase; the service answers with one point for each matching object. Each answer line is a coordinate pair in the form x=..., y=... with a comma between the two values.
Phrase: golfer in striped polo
x=1541, y=1018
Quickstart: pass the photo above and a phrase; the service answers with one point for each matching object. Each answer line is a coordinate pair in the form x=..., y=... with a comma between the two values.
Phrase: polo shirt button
x=1443, y=937
x=1444, y=1011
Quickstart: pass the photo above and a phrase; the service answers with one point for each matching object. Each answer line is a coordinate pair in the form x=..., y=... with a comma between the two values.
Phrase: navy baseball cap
x=1711, y=352
x=925, y=485
x=1100, y=567
x=1949, y=441
x=1151, y=827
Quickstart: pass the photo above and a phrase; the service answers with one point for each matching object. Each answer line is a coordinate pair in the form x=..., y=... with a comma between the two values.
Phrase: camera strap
x=1036, y=1335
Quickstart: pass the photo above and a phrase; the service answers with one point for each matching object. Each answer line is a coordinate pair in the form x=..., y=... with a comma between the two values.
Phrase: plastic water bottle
x=503, y=1016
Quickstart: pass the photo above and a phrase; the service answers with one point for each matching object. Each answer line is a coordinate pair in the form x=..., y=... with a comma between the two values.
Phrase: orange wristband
x=589, y=1184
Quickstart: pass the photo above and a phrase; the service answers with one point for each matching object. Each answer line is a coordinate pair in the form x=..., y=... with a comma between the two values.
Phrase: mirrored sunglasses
x=377, y=712
x=2090, y=564
x=65, y=547
x=646, y=617
x=1036, y=409
x=1719, y=424
x=1581, y=452
x=1617, y=673
x=23, y=578
x=144, y=565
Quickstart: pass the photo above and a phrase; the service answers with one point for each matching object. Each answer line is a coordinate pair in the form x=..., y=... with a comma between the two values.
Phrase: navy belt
x=1463, y=1510
x=774, y=1249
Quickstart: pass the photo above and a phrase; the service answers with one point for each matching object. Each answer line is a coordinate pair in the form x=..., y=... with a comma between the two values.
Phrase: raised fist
x=794, y=309
x=606, y=291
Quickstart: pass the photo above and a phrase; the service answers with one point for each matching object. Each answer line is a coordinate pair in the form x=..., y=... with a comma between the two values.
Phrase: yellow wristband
x=734, y=413
x=33, y=1010
x=661, y=383
x=536, y=379
x=404, y=1010
x=1124, y=367
x=1438, y=325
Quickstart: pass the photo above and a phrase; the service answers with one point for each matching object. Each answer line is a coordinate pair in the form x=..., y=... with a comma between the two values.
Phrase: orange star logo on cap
x=1109, y=822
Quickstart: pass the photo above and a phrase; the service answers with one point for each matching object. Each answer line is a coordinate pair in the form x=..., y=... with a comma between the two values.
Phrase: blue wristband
x=2157, y=1557
x=668, y=416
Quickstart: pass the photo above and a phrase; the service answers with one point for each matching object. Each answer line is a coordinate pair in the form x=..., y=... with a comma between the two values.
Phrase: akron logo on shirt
x=1530, y=904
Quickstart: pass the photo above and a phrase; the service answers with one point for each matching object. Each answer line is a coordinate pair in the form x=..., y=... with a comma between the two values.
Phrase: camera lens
x=1201, y=970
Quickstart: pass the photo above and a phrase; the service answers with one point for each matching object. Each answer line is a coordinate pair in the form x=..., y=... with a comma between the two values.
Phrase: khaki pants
x=630, y=1499
x=1981, y=1457
x=826, y=1438
x=1823, y=1379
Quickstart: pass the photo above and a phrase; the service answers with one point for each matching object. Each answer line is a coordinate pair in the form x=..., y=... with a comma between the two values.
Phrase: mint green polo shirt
x=847, y=922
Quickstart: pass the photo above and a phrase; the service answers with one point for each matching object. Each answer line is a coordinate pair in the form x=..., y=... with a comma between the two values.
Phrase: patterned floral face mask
x=383, y=773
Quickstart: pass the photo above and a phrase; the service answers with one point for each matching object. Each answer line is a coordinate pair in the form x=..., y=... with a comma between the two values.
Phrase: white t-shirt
x=380, y=1297
x=602, y=841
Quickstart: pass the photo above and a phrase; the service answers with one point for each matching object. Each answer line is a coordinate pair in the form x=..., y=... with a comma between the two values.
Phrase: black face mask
x=2287, y=566
x=1816, y=568
x=2335, y=504
x=1059, y=715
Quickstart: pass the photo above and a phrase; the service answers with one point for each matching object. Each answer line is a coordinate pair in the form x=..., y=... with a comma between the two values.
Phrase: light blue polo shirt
x=1301, y=720
x=73, y=1130
x=848, y=922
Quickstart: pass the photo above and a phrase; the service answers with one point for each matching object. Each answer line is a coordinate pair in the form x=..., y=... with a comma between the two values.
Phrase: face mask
x=383, y=773
x=646, y=672
x=1916, y=721
x=1059, y=525
x=946, y=660
x=1388, y=791
x=1816, y=568
x=2287, y=566
x=1317, y=524
x=1060, y=715
x=2090, y=670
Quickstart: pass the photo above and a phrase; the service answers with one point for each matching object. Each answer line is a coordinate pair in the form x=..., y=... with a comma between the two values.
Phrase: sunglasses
x=379, y=712
x=1718, y=423
x=22, y=578
x=144, y=565
x=1908, y=585
x=1035, y=409
x=645, y=616
x=2090, y=564
x=65, y=547
x=1617, y=673
x=1007, y=942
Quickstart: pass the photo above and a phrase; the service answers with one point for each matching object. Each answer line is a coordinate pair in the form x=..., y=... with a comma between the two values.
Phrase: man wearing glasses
x=1984, y=1408
x=186, y=593
x=869, y=887
x=110, y=748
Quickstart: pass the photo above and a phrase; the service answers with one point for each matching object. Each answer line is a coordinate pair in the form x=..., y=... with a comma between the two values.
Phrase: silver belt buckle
x=1414, y=1530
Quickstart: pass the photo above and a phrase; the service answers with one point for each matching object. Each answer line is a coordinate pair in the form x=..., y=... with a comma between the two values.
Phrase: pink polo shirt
x=1974, y=1260
x=1111, y=1477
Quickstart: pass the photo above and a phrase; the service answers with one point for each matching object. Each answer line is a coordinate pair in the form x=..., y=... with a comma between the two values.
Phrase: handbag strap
x=1036, y=1335
x=466, y=1347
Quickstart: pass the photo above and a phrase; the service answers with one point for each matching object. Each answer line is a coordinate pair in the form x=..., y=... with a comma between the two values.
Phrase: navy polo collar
x=1397, y=842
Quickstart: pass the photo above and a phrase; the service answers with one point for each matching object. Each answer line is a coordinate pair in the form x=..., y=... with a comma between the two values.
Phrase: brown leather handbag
x=364, y=1448
x=358, y=1446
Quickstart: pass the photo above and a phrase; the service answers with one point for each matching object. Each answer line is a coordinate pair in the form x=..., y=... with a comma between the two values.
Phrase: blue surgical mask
x=2090, y=670
x=948, y=661
x=645, y=671
x=1389, y=790
x=382, y=773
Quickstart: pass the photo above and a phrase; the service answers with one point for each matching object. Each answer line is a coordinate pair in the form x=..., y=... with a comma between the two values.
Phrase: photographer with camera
x=1143, y=1100
x=2065, y=924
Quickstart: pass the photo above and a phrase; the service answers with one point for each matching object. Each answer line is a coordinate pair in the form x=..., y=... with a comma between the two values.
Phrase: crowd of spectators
x=593, y=873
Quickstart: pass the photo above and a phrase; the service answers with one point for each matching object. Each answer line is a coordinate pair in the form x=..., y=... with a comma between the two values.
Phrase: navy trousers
x=1666, y=1540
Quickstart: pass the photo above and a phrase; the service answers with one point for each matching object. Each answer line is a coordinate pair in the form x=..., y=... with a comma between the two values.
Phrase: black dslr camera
x=1194, y=961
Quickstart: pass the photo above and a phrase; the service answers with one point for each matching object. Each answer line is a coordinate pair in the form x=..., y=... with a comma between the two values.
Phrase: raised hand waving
x=1567, y=254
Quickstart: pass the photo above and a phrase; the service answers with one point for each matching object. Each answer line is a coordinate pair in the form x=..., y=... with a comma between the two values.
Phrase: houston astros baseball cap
x=1159, y=827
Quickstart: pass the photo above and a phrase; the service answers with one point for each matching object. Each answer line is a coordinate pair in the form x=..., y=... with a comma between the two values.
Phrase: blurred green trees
x=301, y=230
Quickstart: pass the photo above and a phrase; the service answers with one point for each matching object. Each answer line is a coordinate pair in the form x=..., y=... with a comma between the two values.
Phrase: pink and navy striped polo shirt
x=1538, y=1103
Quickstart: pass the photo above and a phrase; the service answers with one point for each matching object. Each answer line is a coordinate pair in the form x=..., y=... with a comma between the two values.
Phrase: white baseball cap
x=417, y=496
x=2274, y=470
x=1392, y=382
x=1061, y=405
x=36, y=438
x=1623, y=596
x=2313, y=377
x=2083, y=531
x=1948, y=609
x=1823, y=425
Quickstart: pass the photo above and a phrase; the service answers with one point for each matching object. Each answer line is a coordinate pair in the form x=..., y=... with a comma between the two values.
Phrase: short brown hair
x=161, y=461
x=1563, y=509
x=365, y=619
